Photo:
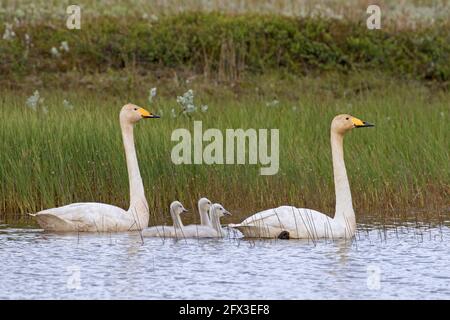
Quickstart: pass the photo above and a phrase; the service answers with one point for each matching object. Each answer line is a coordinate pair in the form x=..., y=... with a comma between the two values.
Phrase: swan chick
x=175, y=231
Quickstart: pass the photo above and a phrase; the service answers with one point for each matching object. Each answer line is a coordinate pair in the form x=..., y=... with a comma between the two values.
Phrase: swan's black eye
x=347, y=118
x=135, y=109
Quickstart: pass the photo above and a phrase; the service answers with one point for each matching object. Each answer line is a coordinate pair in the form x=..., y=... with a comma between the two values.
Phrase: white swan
x=99, y=217
x=289, y=222
x=175, y=231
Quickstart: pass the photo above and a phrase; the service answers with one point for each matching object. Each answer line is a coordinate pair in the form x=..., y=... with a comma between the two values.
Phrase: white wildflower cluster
x=9, y=33
x=67, y=105
x=64, y=46
x=186, y=101
x=273, y=103
x=152, y=17
x=151, y=95
x=35, y=101
x=56, y=52
x=323, y=11
x=151, y=98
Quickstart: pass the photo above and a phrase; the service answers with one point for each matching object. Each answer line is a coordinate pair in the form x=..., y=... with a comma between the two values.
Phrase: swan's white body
x=299, y=223
x=86, y=217
x=99, y=217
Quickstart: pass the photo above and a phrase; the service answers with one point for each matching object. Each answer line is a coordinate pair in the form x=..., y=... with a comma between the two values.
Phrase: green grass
x=223, y=46
x=67, y=156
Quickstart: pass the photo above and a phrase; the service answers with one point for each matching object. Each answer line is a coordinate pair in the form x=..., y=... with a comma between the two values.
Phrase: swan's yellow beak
x=145, y=114
x=361, y=124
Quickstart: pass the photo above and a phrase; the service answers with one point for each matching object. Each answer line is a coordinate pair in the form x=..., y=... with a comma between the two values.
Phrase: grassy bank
x=222, y=47
x=64, y=155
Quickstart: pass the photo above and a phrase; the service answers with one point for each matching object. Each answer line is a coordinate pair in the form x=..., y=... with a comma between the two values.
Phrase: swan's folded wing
x=267, y=216
x=51, y=222
x=88, y=216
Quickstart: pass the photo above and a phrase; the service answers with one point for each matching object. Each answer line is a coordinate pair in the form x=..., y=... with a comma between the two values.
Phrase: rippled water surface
x=402, y=262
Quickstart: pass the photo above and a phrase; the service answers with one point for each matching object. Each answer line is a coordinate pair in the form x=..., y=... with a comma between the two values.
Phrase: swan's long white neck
x=204, y=218
x=138, y=203
x=215, y=222
x=177, y=223
x=344, y=214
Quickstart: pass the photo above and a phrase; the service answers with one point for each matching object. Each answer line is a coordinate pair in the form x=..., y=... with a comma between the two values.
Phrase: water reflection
x=407, y=261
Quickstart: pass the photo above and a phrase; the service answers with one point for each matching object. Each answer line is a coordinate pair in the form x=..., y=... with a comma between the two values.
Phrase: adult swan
x=99, y=217
x=289, y=222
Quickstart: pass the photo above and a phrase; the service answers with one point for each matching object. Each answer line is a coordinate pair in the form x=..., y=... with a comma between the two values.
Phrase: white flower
x=64, y=46
x=190, y=108
x=20, y=13
x=67, y=105
x=187, y=101
x=204, y=108
x=294, y=108
x=9, y=33
x=33, y=100
x=55, y=53
x=174, y=114
x=273, y=103
x=151, y=94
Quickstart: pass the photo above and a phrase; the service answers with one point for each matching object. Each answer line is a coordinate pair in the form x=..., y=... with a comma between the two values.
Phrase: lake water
x=403, y=262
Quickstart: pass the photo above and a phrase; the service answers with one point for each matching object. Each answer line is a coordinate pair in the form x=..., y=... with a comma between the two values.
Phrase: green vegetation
x=66, y=156
x=224, y=47
x=238, y=63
